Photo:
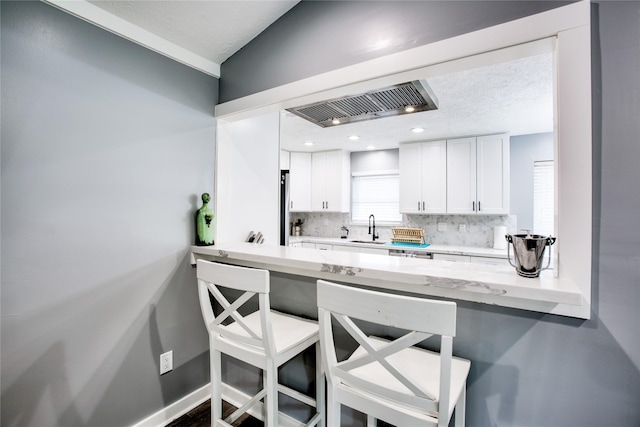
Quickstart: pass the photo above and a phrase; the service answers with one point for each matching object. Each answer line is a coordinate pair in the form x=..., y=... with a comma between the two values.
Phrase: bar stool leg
x=460, y=408
x=320, y=387
x=216, y=384
x=270, y=383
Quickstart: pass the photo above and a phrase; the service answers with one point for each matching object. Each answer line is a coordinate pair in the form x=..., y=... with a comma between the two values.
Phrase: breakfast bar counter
x=489, y=284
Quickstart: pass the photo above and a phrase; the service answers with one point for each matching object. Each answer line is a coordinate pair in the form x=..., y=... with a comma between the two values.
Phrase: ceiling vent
x=404, y=98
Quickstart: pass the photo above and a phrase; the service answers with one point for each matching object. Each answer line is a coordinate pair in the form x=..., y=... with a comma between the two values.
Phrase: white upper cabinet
x=478, y=175
x=423, y=177
x=493, y=174
x=300, y=182
x=461, y=176
x=330, y=181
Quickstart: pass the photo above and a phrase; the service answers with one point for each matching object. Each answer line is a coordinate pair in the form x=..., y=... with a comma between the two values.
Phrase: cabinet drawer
x=374, y=251
x=346, y=248
x=489, y=260
x=450, y=257
x=324, y=247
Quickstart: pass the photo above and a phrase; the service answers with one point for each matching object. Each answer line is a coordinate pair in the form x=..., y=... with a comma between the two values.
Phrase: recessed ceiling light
x=335, y=121
x=370, y=147
x=354, y=137
x=308, y=143
x=410, y=109
x=417, y=130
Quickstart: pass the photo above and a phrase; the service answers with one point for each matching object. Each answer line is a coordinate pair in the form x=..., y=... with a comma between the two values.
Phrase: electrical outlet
x=442, y=226
x=462, y=228
x=166, y=362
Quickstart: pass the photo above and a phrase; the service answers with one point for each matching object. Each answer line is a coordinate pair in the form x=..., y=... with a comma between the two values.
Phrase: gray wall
x=105, y=149
x=528, y=369
x=319, y=36
x=378, y=160
x=524, y=151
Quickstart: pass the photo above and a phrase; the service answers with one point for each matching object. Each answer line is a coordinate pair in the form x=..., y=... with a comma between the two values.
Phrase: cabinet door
x=411, y=178
x=330, y=181
x=318, y=181
x=461, y=176
x=434, y=177
x=493, y=174
x=374, y=251
x=451, y=258
x=346, y=248
x=300, y=182
x=324, y=247
x=334, y=176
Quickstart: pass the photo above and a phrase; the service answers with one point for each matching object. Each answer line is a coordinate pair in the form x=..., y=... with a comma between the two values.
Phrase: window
x=377, y=194
x=543, y=197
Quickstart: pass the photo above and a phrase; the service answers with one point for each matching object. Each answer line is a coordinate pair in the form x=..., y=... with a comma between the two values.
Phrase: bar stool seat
x=256, y=335
x=391, y=380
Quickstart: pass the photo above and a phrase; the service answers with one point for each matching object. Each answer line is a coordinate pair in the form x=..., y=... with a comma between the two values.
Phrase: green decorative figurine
x=204, y=223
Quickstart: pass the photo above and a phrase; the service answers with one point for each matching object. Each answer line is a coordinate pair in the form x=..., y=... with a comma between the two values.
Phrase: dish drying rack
x=408, y=235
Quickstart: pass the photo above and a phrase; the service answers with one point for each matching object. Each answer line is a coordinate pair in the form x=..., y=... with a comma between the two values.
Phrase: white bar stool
x=264, y=338
x=393, y=381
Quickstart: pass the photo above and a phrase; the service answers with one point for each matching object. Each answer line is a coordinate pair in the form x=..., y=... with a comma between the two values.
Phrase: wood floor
x=201, y=417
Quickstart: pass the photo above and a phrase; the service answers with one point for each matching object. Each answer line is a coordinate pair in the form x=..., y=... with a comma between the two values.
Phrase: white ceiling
x=214, y=30
x=202, y=33
x=514, y=96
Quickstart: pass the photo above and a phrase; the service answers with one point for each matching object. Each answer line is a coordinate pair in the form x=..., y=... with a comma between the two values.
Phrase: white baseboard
x=229, y=394
x=177, y=408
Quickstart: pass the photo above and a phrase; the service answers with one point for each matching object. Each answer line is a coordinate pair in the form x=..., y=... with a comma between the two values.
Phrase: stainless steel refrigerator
x=284, y=208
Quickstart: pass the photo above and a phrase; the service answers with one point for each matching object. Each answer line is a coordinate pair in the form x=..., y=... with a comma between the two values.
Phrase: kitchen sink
x=368, y=241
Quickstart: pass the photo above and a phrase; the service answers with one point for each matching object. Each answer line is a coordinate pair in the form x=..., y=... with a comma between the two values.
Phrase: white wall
x=248, y=178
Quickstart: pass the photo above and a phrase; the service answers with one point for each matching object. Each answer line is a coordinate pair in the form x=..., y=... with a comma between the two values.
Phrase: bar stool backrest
x=230, y=324
x=420, y=318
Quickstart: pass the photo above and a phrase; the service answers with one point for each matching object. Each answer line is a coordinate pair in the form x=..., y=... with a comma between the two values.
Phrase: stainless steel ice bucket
x=528, y=251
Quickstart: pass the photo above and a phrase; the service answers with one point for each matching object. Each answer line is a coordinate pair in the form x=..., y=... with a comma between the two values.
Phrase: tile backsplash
x=476, y=230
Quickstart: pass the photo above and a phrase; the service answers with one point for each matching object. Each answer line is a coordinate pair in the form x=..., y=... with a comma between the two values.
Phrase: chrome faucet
x=375, y=235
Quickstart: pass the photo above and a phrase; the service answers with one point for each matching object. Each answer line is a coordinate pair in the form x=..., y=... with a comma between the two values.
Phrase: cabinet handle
x=323, y=204
x=418, y=204
x=423, y=206
x=478, y=205
x=327, y=205
x=291, y=203
x=473, y=204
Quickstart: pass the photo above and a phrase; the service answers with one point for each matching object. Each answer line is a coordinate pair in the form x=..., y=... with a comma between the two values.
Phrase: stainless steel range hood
x=389, y=101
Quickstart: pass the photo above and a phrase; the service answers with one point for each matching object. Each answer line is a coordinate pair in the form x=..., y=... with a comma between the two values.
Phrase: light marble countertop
x=439, y=249
x=488, y=284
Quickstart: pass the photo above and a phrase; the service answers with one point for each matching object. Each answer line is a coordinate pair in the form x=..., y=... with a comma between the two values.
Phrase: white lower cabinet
x=471, y=259
x=451, y=257
x=375, y=251
x=489, y=260
x=342, y=248
x=346, y=248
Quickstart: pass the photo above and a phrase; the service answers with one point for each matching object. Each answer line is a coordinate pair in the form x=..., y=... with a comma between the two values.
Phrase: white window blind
x=543, y=197
x=377, y=194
